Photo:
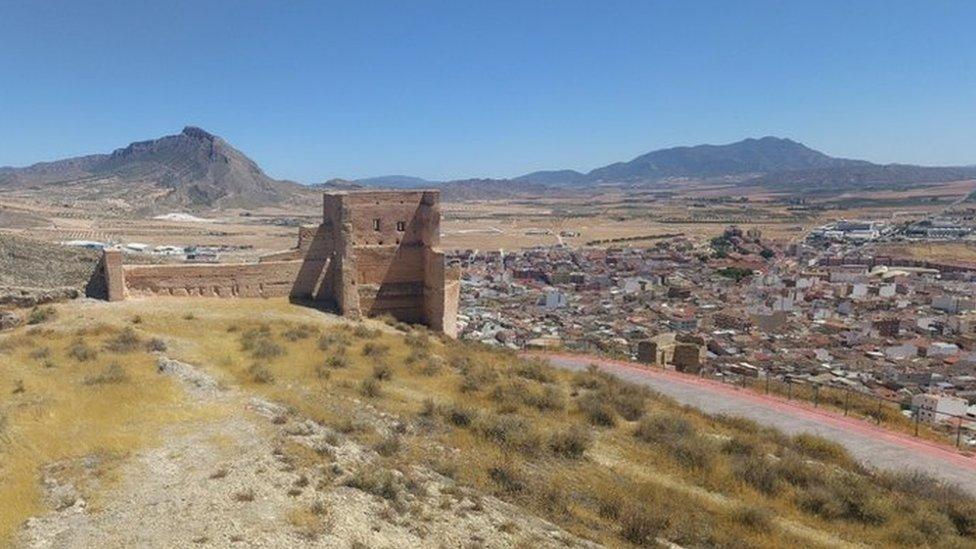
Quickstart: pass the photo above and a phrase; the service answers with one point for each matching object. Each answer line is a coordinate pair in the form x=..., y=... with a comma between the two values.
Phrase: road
x=868, y=443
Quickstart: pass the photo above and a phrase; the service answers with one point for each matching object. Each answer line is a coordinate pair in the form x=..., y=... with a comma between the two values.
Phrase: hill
x=192, y=169
x=749, y=156
x=770, y=162
x=302, y=429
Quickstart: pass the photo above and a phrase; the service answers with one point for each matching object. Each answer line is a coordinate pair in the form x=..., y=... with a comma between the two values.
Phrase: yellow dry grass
x=490, y=421
x=54, y=409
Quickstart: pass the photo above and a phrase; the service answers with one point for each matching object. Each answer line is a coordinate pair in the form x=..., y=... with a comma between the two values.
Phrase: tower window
x=401, y=226
x=376, y=224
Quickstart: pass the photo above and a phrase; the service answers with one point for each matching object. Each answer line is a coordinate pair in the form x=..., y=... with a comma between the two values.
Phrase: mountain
x=553, y=177
x=863, y=177
x=397, y=181
x=191, y=169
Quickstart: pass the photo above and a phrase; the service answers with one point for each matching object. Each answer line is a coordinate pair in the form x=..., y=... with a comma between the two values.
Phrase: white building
x=932, y=408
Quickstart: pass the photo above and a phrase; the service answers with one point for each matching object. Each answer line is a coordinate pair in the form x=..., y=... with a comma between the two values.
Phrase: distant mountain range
x=772, y=162
x=196, y=169
x=191, y=169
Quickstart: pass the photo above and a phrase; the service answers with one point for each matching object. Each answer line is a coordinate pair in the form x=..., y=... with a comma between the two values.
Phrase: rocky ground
x=258, y=474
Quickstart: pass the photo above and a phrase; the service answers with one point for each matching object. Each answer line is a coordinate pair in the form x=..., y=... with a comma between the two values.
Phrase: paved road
x=868, y=443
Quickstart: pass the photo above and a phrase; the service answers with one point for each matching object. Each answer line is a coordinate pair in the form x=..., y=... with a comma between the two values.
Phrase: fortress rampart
x=375, y=253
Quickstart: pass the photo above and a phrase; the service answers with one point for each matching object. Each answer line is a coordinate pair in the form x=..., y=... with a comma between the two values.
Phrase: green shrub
x=39, y=315
x=337, y=361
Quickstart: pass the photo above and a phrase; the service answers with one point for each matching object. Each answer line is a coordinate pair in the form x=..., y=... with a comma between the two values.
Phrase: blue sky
x=313, y=90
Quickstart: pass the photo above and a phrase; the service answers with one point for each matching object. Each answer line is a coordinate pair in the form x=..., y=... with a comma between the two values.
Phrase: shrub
x=113, y=373
x=417, y=340
x=156, y=345
x=260, y=373
x=535, y=370
x=333, y=339
x=40, y=353
x=756, y=518
x=370, y=388
x=377, y=481
x=678, y=437
x=508, y=477
x=460, y=415
x=596, y=410
x=80, y=351
x=382, y=371
x=39, y=315
x=474, y=378
x=640, y=527
x=758, y=472
x=662, y=426
x=511, y=431
x=571, y=443
x=388, y=446
x=432, y=366
x=127, y=341
x=375, y=350
x=822, y=449
x=337, y=361
x=259, y=342
x=362, y=332
x=299, y=332
x=630, y=402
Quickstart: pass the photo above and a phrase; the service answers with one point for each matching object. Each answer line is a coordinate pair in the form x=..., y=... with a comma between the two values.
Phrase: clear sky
x=314, y=90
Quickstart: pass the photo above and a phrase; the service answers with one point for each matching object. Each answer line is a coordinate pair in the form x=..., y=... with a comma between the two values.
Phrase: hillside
x=192, y=169
x=201, y=423
x=28, y=263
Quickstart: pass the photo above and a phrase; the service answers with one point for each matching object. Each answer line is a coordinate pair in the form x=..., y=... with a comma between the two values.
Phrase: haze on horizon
x=443, y=91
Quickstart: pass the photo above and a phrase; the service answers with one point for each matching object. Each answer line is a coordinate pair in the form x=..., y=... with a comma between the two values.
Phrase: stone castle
x=375, y=253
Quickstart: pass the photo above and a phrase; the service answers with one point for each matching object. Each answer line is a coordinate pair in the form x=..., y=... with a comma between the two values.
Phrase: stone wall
x=375, y=253
x=267, y=279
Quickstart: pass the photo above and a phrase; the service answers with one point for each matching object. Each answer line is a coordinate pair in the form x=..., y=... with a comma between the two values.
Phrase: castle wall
x=375, y=253
x=269, y=279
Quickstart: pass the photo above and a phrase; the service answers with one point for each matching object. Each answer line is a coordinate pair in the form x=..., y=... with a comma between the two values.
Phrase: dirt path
x=256, y=474
x=873, y=445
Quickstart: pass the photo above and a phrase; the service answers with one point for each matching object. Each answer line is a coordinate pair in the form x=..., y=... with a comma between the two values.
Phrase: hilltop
x=192, y=169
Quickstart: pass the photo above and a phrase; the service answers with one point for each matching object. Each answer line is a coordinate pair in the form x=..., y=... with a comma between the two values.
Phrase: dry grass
x=608, y=461
x=80, y=408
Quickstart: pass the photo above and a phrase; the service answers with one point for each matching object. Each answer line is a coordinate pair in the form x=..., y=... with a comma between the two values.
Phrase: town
x=822, y=312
